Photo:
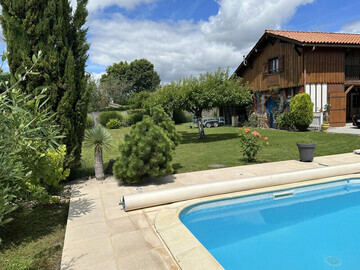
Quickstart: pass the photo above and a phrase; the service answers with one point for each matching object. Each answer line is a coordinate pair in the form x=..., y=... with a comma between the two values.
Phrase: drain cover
x=333, y=261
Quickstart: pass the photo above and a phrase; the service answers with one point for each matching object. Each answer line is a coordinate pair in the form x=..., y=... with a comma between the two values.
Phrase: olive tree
x=209, y=90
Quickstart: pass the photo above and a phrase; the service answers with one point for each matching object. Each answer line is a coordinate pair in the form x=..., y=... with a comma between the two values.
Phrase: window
x=274, y=66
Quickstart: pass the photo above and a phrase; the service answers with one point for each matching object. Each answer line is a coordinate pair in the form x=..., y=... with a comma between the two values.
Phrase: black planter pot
x=306, y=151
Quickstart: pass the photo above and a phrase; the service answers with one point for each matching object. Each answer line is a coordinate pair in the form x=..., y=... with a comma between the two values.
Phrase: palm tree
x=100, y=139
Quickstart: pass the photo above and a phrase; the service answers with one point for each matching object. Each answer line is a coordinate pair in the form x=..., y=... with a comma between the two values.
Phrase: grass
x=221, y=146
x=34, y=240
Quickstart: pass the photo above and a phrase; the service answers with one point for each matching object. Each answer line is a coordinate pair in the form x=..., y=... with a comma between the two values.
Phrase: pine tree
x=50, y=26
x=148, y=149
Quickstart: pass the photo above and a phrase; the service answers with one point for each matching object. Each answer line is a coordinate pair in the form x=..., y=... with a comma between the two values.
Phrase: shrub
x=253, y=120
x=179, y=117
x=113, y=124
x=105, y=117
x=134, y=118
x=28, y=160
x=148, y=149
x=251, y=143
x=284, y=121
x=301, y=111
x=89, y=122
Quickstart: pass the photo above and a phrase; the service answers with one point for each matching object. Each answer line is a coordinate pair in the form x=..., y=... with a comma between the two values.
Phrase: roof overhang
x=297, y=43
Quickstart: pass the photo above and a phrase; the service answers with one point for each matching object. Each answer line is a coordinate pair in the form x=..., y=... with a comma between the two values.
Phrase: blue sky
x=188, y=37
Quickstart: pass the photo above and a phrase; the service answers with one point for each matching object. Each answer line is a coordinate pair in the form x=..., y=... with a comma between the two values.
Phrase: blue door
x=270, y=106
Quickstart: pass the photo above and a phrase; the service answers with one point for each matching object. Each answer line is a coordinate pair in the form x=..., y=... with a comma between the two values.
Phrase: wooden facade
x=325, y=65
x=291, y=75
x=309, y=67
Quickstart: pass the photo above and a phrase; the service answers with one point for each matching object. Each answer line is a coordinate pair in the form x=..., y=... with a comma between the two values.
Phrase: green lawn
x=221, y=146
x=34, y=240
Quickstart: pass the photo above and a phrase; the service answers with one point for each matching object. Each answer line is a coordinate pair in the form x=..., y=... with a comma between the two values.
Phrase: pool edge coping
x=185, y=248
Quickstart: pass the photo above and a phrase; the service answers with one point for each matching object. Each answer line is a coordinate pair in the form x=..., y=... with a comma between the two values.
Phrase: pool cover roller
x=160, y=197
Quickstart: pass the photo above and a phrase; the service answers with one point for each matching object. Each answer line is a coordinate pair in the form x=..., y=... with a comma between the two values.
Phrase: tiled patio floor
x=100, y=235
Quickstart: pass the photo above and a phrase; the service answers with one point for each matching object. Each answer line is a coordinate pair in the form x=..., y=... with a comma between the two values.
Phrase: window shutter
x=281, y=63
x=265, y=68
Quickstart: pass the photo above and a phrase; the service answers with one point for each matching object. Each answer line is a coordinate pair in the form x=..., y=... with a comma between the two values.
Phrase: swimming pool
x=315, y=227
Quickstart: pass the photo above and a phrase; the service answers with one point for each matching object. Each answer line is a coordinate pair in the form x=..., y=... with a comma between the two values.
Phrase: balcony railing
x=352, y=72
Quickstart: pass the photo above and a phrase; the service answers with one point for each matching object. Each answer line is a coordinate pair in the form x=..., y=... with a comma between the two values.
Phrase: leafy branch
x=19, y=77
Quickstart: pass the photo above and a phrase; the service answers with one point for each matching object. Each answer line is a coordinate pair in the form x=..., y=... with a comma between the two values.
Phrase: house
x=324, y=65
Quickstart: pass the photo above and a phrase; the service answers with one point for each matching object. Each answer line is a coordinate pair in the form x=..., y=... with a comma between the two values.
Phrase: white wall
x=318, y=93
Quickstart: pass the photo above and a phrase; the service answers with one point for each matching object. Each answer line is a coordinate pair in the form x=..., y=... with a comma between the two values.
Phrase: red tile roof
x=317, y=37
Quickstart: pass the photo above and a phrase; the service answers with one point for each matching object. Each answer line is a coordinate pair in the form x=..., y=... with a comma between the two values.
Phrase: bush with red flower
x=251, y=143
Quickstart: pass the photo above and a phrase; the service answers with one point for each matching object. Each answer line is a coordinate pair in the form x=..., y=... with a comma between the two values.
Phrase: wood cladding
x=325, y=65
x=338, y=109
x=335, y=88
x=291, y=64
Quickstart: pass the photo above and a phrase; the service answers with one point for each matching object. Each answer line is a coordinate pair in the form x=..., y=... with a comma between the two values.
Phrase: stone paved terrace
x=100, y=235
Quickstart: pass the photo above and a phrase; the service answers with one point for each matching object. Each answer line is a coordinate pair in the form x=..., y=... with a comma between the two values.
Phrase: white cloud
x=96, y=76
x=241, y=22
x=353, y=28
x=96, y=5
x=179, y=49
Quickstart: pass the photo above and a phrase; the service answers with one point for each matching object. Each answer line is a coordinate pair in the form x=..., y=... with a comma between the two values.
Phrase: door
x=338, y=109
x=354, y=104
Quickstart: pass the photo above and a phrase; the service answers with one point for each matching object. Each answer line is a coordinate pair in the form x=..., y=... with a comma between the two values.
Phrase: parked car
x=212, y=122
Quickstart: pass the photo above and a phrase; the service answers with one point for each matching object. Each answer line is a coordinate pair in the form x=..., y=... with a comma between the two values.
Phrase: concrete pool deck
x=100, y=235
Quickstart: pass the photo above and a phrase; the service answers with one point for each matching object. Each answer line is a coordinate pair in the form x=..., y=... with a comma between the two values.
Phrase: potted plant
x=325, y=125
x=306, y=149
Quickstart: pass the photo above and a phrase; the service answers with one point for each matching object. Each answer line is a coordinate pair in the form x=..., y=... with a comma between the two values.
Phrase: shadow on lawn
x=187, y=137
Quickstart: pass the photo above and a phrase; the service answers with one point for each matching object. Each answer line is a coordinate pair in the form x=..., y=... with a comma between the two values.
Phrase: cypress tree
x=50, y=26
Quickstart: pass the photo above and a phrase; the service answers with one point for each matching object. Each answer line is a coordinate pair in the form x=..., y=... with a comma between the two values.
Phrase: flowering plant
x=251, y=143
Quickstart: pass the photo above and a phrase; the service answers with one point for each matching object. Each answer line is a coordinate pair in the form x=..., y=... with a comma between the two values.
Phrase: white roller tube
x=159, y=197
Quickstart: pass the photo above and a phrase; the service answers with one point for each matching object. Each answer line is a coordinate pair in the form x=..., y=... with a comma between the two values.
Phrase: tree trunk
x=201, y=127
x=98, y=166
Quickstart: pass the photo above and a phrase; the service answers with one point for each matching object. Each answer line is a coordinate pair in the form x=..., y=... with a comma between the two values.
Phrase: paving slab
x=349, y=128
x=100, y=235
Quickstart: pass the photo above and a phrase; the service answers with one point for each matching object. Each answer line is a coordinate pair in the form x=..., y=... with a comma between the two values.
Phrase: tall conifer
x=50, y=26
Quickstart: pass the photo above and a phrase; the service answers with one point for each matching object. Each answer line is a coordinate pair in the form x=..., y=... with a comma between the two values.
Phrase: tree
x=143, y=76
x=122, y=79
x=209, y=90
x=52, y=27
x=99, y=98
x=100, y=139
x=116, y=89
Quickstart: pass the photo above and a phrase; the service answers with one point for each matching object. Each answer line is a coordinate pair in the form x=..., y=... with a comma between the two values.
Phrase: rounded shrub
x=113, y=124
x=301, y=111
x=105, y=117
x=179, y=117
x=89, y=122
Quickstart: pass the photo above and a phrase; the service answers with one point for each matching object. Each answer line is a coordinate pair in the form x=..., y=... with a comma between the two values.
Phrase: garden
x=48, y=138
x=222, y=146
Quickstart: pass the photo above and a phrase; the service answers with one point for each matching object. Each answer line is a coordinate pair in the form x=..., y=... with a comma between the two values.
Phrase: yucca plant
x=100, y=139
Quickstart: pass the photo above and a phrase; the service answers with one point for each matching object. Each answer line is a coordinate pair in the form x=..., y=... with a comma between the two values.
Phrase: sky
x=188, y=37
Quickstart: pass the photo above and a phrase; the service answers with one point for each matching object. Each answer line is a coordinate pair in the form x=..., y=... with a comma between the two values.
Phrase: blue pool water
x=314, y=227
